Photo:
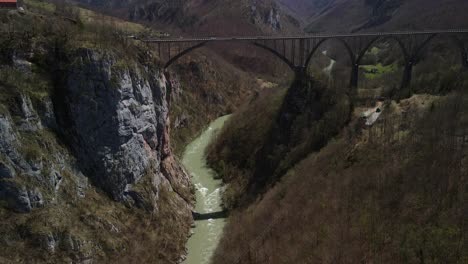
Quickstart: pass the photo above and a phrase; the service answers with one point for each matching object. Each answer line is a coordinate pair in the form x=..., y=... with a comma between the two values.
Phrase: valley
x=250, y=131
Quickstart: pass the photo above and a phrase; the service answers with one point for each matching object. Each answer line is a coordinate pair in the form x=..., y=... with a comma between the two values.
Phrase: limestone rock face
x=16, y=196
x=6, y=171
x=8, y=143
x=116, y=119
x=19, y=198
x=269, y=15
x=274, y=19
x=30, y=120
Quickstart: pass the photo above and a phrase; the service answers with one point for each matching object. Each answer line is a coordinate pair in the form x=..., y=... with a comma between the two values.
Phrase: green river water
x=206, y=234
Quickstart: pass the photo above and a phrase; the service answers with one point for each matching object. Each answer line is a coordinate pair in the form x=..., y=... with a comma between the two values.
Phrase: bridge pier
x=405, y=89
x=465, y=59
x=300, y=73
x=354, y=76
x=206, y=216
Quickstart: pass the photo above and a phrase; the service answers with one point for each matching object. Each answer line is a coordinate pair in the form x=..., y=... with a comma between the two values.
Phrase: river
x=206, y=234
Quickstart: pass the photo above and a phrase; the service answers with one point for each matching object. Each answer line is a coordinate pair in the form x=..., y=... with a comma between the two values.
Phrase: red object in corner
x=8, y=3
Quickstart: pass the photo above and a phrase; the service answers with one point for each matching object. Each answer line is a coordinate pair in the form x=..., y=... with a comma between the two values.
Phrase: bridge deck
x=308, y=36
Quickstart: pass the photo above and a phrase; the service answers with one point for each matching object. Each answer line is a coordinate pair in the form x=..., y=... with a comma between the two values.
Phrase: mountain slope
x=307, y=8
x=372, y=15
x=392, y=191
x=220, y=17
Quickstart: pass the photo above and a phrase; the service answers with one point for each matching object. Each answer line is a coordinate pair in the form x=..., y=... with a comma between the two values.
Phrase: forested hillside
x=392, y=193
x=372, y=175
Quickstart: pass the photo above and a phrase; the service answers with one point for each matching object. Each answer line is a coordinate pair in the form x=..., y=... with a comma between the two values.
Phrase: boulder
x=6, y=171
x=16, y=197
x=30, y=120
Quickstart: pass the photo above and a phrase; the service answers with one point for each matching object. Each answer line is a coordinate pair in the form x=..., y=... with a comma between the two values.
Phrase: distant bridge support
x=406, y=80
x=300, y=73
x=207, y=216
x=354, y=76
x=465, y=59
x=407, y=74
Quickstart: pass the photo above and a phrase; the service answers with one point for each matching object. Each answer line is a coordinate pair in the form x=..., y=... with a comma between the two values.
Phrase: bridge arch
x=453, y=40
x=183, y=53
x=463, y=50
x=381, y=39
x=322, y=42
x=439, y=65
x=394, y=77
x=280, y=56
x=277, y=54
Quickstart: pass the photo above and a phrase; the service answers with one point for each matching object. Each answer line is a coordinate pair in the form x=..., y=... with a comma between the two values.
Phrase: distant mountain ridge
x=220, y=17
x=242, y=17
x=389, y=15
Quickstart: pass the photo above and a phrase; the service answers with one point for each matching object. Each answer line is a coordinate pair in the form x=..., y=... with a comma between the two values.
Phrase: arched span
x=458, y=43
x=183, y=53
x=392, y=41
x=463, y=50
x=319, y=44
x=378, y=39
x=419, y=50
x=277, y=54
x=186, y=51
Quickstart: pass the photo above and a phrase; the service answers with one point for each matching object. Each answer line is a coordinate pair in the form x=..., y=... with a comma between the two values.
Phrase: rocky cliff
x=220, y=17
x=115, y=117
x=87, y=173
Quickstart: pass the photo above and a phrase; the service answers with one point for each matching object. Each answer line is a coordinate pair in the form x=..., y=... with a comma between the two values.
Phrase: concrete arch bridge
x=297, y=51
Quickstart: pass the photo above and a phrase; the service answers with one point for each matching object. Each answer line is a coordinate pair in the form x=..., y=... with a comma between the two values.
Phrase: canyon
x=107, y=157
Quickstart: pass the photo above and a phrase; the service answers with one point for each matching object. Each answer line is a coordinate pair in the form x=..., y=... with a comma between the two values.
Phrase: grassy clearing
x=14, y=82
x=84, y=16
x=44, y=7
x=377, y=71
x=375, y=51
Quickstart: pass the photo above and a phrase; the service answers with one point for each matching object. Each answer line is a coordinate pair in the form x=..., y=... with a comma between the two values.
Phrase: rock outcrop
x=16, y=196
x=115, y=119
x=102, y=124
x=265, y=15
